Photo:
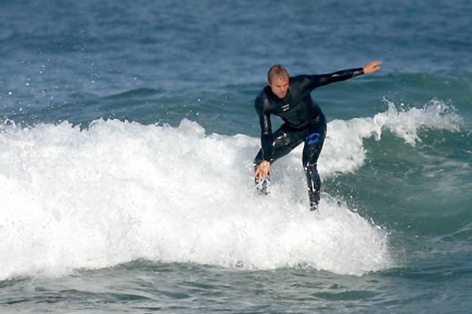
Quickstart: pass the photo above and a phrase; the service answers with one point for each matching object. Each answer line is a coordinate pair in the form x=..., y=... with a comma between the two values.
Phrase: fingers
x=372, y=67
x=262, y=171
x=260, y=174
x=257, y=173
x=376, y=64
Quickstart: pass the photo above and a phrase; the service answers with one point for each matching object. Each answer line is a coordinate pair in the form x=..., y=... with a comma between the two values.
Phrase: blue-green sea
x=128, y=132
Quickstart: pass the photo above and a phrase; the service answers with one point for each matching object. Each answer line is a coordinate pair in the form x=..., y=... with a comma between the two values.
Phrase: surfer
x=303, y=122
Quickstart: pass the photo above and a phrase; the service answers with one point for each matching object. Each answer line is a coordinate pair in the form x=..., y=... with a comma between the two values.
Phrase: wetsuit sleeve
x=266, y=127
x=314, y=81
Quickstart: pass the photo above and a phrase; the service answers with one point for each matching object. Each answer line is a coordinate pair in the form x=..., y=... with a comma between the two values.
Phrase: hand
x=372, y=67
x=262, y=171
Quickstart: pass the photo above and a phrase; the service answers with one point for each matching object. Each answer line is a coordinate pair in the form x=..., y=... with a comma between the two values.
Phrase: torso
x=297, y=109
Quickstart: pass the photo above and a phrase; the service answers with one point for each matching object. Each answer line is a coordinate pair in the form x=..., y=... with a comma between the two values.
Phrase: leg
x=311, y=152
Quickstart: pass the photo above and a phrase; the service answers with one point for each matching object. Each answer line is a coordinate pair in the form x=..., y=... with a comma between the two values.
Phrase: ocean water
x=127, y=134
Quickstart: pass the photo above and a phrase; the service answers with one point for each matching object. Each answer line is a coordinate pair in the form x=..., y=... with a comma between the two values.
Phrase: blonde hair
x=277, y=70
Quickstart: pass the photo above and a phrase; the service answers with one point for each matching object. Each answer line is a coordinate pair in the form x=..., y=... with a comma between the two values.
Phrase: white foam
x=121, y=191
x=344, y=151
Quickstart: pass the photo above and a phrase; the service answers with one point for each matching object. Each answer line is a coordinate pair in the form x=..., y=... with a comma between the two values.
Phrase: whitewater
x=117, y=191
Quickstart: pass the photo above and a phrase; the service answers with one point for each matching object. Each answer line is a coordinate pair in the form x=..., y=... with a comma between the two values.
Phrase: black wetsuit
x=303, y=122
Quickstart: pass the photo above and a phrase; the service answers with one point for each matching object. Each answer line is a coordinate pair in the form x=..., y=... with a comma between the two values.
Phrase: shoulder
x=302, y=79
x=303, y=83
x=263, y=92
x=262, y=96
x=298, y=78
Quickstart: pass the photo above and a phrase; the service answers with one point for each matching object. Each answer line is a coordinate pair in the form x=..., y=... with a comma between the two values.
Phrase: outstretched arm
x=313, y=81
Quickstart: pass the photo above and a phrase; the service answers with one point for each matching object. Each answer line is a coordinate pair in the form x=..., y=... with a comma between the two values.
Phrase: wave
x=119, y=191
x=344, y=150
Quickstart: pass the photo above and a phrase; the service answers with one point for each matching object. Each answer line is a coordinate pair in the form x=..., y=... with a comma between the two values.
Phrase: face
x=279, y=86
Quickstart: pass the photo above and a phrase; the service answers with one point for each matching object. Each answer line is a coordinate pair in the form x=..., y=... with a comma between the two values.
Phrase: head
x=278, y=80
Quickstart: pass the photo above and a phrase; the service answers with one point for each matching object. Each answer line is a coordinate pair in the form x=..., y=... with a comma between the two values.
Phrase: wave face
x=119, y=191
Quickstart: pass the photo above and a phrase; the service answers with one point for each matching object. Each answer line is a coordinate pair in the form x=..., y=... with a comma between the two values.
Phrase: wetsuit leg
x=284, y=143
x=313, y=145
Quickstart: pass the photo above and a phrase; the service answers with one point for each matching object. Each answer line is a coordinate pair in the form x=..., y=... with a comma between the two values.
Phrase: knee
x=310, y=165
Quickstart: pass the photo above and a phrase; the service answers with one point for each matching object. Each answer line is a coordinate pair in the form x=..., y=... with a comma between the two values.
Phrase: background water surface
x=127, y=134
